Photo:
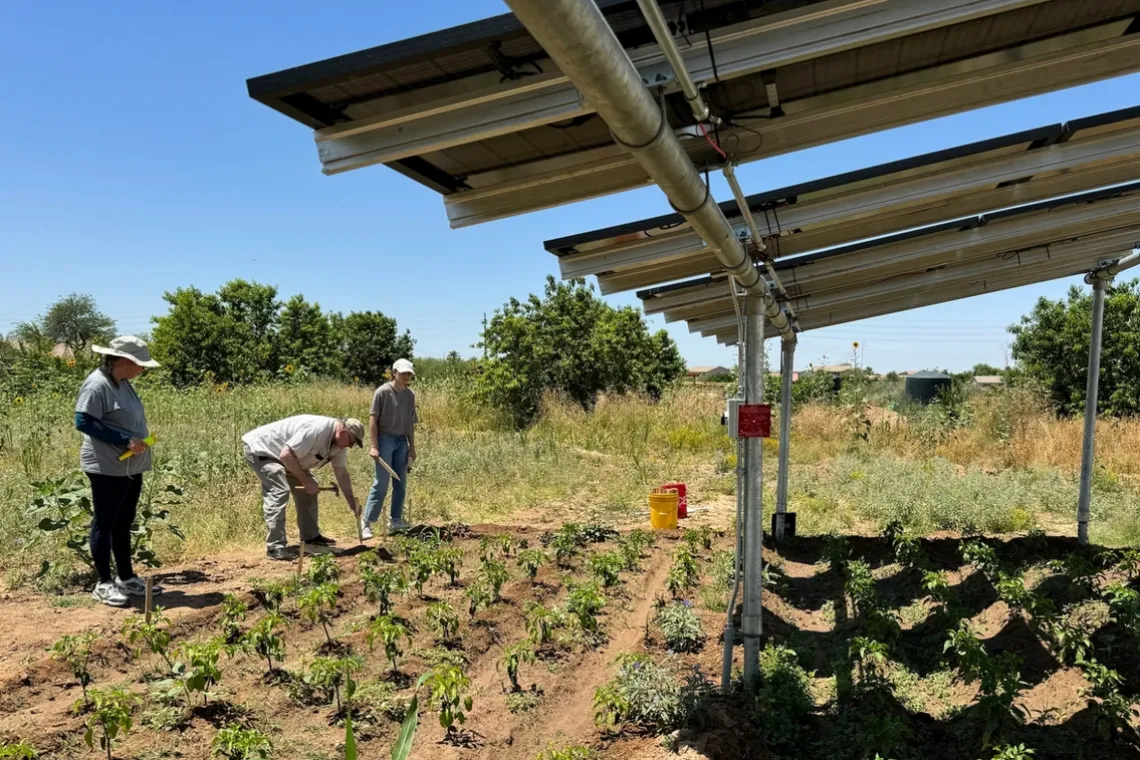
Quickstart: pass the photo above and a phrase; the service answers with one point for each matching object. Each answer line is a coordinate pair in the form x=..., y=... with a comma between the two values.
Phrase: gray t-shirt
x=119, y=408
x=395, y=411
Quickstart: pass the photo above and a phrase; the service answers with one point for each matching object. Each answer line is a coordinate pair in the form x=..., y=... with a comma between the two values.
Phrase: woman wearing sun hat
x=111, y=417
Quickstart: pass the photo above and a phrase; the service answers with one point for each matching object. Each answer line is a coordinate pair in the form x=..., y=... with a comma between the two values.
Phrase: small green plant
x=443, y=621
x=782, y=702
x=494, y=575
x=389, y=632
x=1077, y=568
x=584, y=601
x=447, y=687
x=530, y=560
x=263, y=639
x=516, y=654
x=236, y=742
x=607, y=568
x=423, y=565
x=269, y=594
x=318, y=605
x=155, y=634
x=982, y=556
x=541, y=622
x=1011, y=589
x=998, y=678
x=478, y=597
x=630, y=555
x=333, y=676
x=449, y=559
x=836, y=551
x=111, y=711
x=870, y=656
x=19, y=751
x=647, y=694
x=573, y=752
x=198, y=667
x=610, y=705
x=859, y=586
x=565, y=548
x=1114, y=715
x=908, y=551
x=381, y=585
x=233, y=613
x=680, y=626
x=684, y=573
x=75, y=652
x=1013, y=752
x=323, y=569
x=937, y=586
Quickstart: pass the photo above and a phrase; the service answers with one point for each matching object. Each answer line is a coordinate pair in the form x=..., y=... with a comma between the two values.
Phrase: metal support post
x=752, y=618
x=1099, y=281
x=787, y=356
x=729, y=638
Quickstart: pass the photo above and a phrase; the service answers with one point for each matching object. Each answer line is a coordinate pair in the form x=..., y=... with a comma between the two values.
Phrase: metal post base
x=784, y=525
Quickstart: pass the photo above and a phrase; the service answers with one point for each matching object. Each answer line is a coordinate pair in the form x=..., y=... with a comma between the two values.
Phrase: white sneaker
x=136, y=587
x=365, y=530
x=109, y=594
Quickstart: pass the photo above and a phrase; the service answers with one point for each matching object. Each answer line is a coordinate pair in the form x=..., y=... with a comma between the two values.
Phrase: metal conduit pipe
x=664, y=37
x=577, y=38
x=729, y=638
x=751, y=621
x=1099, y=281
x=1127, y=262
x=787, y=355
x=757, y=239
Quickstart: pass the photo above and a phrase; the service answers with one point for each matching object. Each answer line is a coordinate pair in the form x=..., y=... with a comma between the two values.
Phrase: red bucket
x=682, y=502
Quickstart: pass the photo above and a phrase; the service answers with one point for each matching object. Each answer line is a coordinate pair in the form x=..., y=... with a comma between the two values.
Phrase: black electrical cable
x=708, y=41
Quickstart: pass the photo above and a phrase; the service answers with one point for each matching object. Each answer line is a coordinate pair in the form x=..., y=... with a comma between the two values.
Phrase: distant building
x=708, y=371
x=835, y=369
x=989, y=381
x=795, y=375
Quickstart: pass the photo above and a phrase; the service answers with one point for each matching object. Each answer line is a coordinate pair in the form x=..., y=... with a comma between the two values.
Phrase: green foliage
x=782, y=703
x=478, y=597
x=836, y=550
x=155, y=634
x=111, y=711
x=530, y=560
x=323, y=569
x=571, y=342
x=936, y=584
x=680, y=626
x=684, y=573
x=998, y=678
x=572, y=752
x=381, y=585
x=236, y=742
x=318, y=604
x=565, y=547
x=389, y=631
x=423, y=564
x=515, y=655
x=1051, y=346
x=584, y=601
x=649, y=695
x=369, y=344
x=697, y=539
x=443, y=621
x=449, y=559
x=75, y=321
x=1114, y=715
x=497, y=547
x=607, y=568
x=19, y=751
x=270, y=594
x=233, y=613
x=263, y=639
x=1012, y=752
x=75, y=652
x=447, y=686
x=541, y=622
x=494, y=574
x=333, y=677
x=198, y=667
x=982, y=556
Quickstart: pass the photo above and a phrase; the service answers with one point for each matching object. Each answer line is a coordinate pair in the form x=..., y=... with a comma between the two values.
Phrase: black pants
x=114, y=500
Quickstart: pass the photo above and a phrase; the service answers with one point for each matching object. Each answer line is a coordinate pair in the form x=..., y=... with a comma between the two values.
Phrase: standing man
x=391, y=428
x=283, y=455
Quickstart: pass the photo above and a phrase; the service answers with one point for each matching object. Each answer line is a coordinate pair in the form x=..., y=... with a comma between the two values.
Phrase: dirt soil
x=805, y=608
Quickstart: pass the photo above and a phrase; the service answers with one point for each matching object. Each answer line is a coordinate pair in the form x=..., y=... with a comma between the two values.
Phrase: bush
x=680, y=626
x=649, y=695
x=20, y=751
x=584, y=601
x=782, y=705
x=240, y=743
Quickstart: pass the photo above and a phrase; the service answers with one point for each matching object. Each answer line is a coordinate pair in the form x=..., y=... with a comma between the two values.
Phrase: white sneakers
x=115, y=593
x=109, y=594
x=365, y=530
x=396, y=526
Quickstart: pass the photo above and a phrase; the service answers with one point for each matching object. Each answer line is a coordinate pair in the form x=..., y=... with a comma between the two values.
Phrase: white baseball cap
x=403, y=365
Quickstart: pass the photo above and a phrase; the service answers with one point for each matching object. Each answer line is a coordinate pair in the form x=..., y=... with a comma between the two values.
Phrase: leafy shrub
x=264, y=641
x=683, y=574
x=565, y=549
x=584, y=601
x=698, y=538
x=1114, y=715
x=782, y=703
x=515, y=655
x=422, y=564
x=111, y=711
x=680, y=626
x=836, y=551
x=450, y=559
x=937, y=586
x=541, y=622
x=270, y=594
x=318, y=604
x=198, y=667
x=75, y=652
x=982, y=556
x=443, y=621
x=447, y=686
x=1013, y=752
x=606, y=569
x=381, y=585
x=332, y=674
x=998, y=677
x=233, y=613
x=389, y=632
x=494, y=574
x=239, y=743
x=323, y=569
x=647, y=694
x=573, y=752
x=19, y=751
x=155, y=634
x=530, y=560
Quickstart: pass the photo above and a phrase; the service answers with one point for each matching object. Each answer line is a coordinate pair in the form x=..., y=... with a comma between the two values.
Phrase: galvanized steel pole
x=729, y=637
x=787, y=355
x=1099, y=281
x=576, y=36
x=752, y=623
x=656, y=20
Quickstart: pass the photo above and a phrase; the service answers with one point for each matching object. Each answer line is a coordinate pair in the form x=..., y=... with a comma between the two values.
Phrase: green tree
x=369, y=344
x=570, y=341
x=1051, y=346
x=305, y=339
x=76, y=321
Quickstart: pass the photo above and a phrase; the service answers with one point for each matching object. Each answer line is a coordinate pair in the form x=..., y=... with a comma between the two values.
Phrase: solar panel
x=1036, y=164
x=482, y=116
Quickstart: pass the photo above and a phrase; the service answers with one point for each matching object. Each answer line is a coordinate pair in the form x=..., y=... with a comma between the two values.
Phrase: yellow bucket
x=663, y=509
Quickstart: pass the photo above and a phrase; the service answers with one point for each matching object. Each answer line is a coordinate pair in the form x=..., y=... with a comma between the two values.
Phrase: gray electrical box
x=732, y=417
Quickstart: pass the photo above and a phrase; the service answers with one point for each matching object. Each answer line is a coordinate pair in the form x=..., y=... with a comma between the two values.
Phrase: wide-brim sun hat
x=128, y=347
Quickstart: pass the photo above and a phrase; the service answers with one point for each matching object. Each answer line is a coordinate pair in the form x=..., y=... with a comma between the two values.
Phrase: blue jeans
x=394, y=451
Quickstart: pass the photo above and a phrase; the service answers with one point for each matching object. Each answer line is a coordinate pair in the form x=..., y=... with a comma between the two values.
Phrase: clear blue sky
x=132, y=162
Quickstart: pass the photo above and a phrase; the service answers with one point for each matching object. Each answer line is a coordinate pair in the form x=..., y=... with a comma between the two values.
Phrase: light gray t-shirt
x=119, y=408
x=310, y=436
x=395, y=411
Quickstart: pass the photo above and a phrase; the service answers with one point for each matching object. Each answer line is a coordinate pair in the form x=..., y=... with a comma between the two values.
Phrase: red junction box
x=682, y=501
x=754, y=421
